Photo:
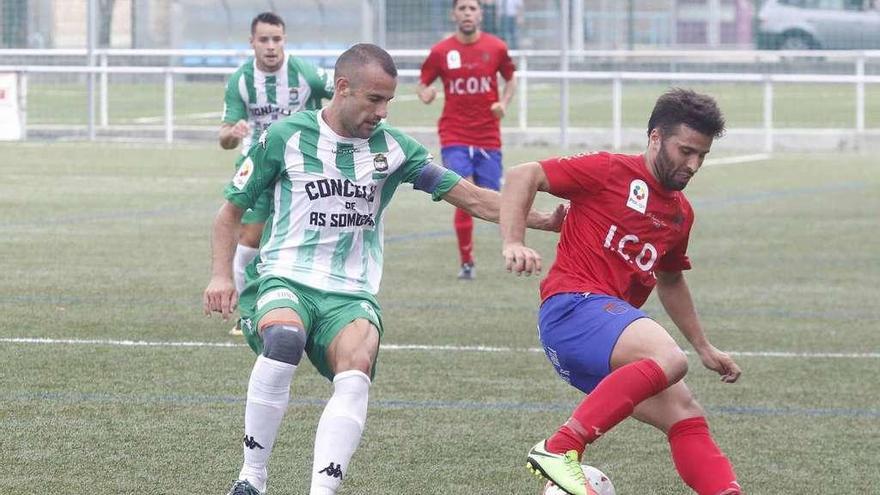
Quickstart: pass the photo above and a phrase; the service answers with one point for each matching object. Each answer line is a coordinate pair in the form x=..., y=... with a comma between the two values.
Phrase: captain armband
x=429, y=178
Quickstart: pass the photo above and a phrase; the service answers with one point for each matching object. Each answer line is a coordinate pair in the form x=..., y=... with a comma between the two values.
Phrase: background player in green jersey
x=332, y=172
x=268, y=86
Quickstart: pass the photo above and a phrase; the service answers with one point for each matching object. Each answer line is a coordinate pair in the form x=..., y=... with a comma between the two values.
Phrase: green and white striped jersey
x=263, y=97
x=329, y=194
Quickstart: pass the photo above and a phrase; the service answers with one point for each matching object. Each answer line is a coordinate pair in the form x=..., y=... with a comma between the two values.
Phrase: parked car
x=819, y=24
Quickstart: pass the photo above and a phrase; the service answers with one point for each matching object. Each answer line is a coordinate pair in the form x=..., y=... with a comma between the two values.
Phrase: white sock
x=339, y=431
x=267, y=398
x=243, y=256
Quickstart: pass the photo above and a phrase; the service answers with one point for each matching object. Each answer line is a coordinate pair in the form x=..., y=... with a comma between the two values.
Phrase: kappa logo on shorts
x=369, y=309
x=276, y=295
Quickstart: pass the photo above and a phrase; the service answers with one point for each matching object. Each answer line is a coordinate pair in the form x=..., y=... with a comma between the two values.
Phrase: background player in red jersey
x=470, y=126
x=626, y=231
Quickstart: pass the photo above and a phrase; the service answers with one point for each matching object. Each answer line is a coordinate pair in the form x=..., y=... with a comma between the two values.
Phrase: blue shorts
x=579, y=332
x=484, y=165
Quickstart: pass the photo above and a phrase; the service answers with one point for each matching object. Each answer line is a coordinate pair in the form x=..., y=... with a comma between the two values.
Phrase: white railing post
x=617, y=112
x=768, y=115
x=367, y=21
x=169, y=106
x=523, y=91
x=92, y=42
x=565, y=84
x=103, y=92
x=22, y=102
x=860, y=102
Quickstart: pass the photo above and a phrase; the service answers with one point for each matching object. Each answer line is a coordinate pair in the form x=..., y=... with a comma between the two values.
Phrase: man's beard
x=666, y=171
x=468, y=31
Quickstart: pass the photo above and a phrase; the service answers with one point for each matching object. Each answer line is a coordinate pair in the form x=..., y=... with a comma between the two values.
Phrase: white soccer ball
x=598, y=480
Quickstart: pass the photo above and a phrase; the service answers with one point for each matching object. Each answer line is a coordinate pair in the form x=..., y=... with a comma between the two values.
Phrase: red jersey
x=621, y=227
x=470, y=85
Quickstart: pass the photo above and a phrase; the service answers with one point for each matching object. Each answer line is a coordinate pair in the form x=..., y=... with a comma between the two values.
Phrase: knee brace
x=284, y=343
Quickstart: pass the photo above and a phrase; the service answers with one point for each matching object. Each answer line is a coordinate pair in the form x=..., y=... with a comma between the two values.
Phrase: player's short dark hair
x=683, y=106
x=267, y=18
x=455, y=3
x=360, y=55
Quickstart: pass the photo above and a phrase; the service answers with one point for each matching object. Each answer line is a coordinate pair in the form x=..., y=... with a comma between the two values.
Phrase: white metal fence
x=620, y=69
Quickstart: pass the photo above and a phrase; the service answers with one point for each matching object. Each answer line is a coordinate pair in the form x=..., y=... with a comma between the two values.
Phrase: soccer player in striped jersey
x=331, y=174
x=270, y=85
x=468, y=63
x=627, y=231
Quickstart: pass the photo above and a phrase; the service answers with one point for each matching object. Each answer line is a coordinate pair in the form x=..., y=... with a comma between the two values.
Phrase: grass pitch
x=105, y=244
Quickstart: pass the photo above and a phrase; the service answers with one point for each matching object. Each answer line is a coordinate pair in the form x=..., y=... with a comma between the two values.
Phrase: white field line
x=412, y=347
x=733, y=160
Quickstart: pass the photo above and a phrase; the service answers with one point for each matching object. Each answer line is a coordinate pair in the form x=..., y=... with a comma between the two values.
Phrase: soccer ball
x=600, y=483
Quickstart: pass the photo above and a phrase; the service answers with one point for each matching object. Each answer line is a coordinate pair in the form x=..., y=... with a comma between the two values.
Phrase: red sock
x=464, y=230
x=612, y=401
x=700, y=462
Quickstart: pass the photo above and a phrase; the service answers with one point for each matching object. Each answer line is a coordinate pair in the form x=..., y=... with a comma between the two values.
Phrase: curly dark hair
x=683, y=106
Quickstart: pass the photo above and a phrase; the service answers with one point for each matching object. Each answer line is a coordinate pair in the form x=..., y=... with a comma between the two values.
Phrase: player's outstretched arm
x=674, y=294
x=486, y=204
x=220, y=295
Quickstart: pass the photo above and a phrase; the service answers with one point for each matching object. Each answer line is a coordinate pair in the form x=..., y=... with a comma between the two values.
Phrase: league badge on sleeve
x=244, y=173
x=638, y=196
x=453, y=59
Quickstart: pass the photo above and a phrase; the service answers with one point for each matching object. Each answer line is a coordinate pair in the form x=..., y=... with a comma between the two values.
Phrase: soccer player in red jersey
x=626, y=231
x=470, y=133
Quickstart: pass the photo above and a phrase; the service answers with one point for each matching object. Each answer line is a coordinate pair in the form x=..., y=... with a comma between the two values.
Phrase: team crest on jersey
x=263, y=136
x=453, y=59
x=293, y=97
x=380, y=163
x=638, y=196
x=243, y=174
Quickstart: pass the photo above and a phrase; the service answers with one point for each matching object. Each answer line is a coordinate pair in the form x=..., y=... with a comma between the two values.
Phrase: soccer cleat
x=236, y=330
x=467, y=272
x=563, y=470
x=243, y=487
